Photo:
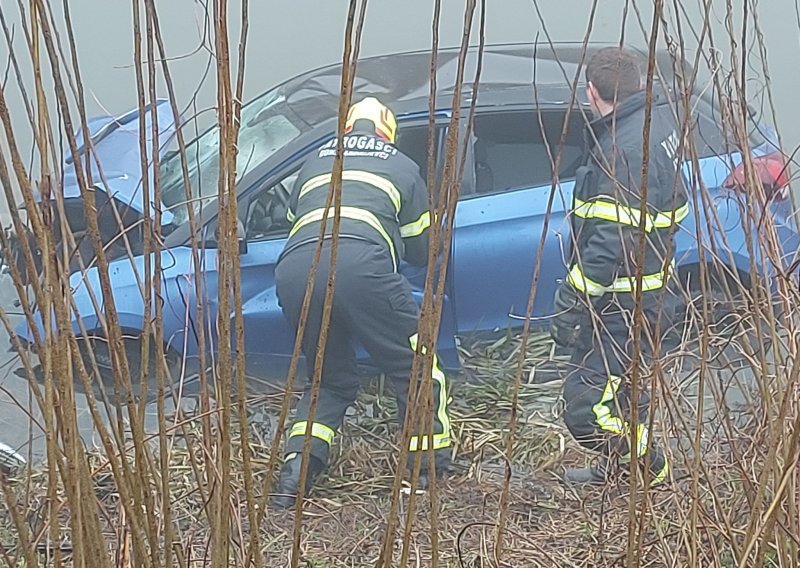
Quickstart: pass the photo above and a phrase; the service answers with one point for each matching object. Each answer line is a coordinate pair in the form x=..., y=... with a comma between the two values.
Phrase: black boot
x=442, y=458
x=598, y=472
x=289, y=482
x=659, y=467
x=594, y=474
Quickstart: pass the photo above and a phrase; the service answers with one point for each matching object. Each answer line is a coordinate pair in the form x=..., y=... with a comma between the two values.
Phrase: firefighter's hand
x=569, y=311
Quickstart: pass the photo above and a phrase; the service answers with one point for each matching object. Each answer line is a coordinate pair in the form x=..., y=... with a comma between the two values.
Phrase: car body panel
x=499, y=235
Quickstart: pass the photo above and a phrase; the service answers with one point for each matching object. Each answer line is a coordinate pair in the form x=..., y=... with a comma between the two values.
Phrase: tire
x=729, y=317
x=96, y=348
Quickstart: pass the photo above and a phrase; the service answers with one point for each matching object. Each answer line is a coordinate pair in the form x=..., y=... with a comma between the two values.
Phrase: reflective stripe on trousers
x=441, y=440
x=318, y=430
x=608, y=422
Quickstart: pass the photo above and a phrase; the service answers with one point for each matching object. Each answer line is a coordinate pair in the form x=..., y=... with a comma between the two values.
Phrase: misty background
x=287, y=38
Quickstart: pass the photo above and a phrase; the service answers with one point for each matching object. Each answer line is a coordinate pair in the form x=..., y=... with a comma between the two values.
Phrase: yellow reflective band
x=623, y=284
x=605, y=420
x=315, y=182
x=416, y=228
x=602, y=413
x=290, y=215
x=353, y=213
x=642, y=437
x=611, y=211
x=662, y=475
x=319, y=431
x=414, y=341
x=666, y=220
x=374, y=180
x=439, y=440
x=616, y=213
x=649, y=281
x=369, y=178
x=577, y=279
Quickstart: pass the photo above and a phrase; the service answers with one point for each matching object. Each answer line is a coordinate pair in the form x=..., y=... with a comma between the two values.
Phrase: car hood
x=116, y=163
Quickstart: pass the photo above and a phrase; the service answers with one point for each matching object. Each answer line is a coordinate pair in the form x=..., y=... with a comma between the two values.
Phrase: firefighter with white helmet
x=384, y=218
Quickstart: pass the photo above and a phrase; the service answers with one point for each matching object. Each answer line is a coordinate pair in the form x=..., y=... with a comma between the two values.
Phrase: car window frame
x=296, y=166
x=269, y=169
x=442, y=124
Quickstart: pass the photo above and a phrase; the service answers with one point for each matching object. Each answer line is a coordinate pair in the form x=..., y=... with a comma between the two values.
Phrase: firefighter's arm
x=415, y=222
x=294, y=196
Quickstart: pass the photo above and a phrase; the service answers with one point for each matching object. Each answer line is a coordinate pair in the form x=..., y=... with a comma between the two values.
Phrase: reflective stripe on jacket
x=384, y=199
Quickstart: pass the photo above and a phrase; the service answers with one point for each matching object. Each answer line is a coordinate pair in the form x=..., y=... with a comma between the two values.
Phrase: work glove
x=570, y=311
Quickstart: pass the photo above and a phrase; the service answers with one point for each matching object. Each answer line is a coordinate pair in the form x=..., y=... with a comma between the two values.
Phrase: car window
x=512, y=150
x=706, y=128
x=266, y=210
x=266, y=215
x=267, y=125
x=412, y=140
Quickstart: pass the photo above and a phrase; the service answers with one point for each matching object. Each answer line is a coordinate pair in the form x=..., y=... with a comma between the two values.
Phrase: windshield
x=265, y=129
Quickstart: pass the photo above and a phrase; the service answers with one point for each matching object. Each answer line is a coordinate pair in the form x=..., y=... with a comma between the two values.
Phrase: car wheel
x=97, y=348
x=728, y=316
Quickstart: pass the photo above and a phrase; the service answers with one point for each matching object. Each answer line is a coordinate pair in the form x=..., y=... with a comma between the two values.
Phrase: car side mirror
x=241, y=237
x=212, y=240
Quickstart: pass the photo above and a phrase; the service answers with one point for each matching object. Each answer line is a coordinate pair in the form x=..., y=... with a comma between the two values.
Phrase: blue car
x=522, y=107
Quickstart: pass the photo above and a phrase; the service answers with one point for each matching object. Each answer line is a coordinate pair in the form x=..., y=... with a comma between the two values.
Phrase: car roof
x=508, y=71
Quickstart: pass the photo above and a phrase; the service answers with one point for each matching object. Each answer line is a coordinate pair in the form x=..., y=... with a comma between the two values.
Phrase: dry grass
x=344, y=521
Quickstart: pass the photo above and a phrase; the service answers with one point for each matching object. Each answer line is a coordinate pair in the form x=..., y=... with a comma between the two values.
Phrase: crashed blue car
x=522, y=106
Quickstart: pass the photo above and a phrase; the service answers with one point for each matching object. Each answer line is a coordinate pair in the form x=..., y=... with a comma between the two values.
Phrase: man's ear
x=591, y=91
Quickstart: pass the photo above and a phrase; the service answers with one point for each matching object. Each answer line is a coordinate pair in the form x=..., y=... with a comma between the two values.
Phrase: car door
x=412, y=140
x=269, y=340
x=499, y=222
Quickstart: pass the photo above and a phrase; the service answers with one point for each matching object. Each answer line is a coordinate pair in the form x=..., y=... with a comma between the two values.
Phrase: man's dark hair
x=615, y=72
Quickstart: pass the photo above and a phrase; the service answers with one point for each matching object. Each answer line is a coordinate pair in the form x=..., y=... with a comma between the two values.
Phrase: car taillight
x=771, y=169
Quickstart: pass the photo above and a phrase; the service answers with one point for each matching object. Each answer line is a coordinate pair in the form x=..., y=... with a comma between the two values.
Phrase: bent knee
x=580, y=398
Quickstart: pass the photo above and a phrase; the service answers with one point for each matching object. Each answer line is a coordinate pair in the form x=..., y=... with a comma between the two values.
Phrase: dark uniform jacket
x=384, y=199
x=608, y=209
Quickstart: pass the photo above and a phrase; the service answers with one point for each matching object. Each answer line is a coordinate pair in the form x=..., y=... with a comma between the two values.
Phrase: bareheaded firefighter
x=384, y=217
x=614, y=205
